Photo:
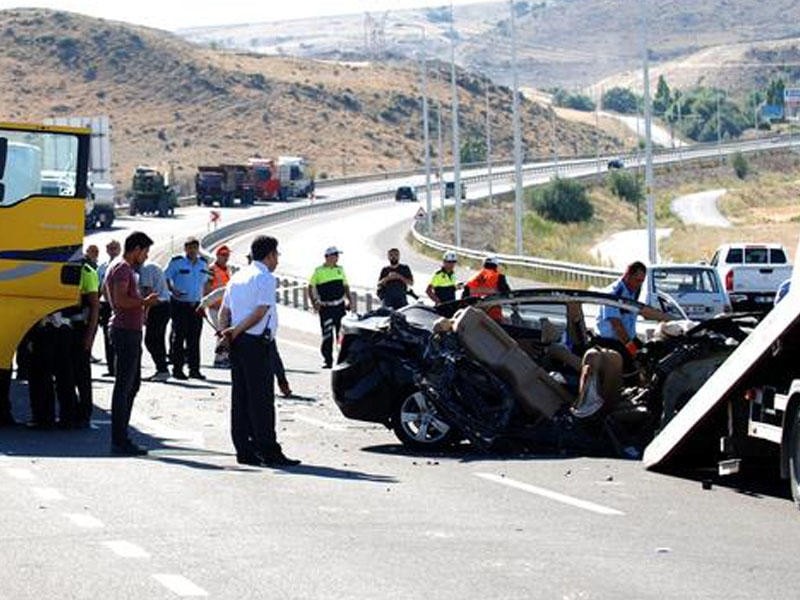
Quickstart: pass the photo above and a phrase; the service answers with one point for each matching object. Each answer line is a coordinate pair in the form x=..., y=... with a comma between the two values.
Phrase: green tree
x=621, y=100
x=563, y=201
x=662, y=99
x=627, y=187
x=740, y=165
x=775, y=91
x=473, y=150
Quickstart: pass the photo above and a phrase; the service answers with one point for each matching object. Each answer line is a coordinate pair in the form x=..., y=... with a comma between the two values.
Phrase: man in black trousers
x=248, y=322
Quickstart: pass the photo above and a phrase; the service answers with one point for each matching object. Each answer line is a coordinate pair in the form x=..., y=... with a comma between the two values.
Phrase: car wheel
x=794, y=457
x=417, y=424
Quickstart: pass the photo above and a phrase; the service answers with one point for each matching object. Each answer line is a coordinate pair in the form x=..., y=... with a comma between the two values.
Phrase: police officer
x=330, y=295
x=442, y=287
x=83, y=318
x=186, y=276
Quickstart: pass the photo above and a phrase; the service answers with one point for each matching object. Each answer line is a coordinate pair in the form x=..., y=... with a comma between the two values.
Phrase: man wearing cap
x=330, y=295
x=220, y=276
x=394, y=281
x=186, y=276
x=442, y=287
x=486, y=282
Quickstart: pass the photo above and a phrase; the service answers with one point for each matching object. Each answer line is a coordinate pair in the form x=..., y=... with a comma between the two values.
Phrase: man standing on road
x=113, y=250
x=394, y=281
x=127, y=317
x=220, y=276
x=442, y=287
x=330, y=295
x=152, y=280
x=619, y=324
x=486, y=282
x=186, y=277
x=249, y=322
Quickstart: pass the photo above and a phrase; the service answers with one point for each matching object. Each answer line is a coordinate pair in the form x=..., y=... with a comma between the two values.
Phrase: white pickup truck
x=751, y=273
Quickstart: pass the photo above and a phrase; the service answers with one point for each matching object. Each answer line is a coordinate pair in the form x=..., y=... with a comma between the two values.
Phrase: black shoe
x=108, y=374
x=253, y=461
x=279, y=459
x=327, y=365
x=179, y=374
x=196, y=375
x=128, y=449
x=37, y=426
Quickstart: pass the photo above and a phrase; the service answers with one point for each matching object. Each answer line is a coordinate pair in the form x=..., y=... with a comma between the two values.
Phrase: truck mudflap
x=743, y=362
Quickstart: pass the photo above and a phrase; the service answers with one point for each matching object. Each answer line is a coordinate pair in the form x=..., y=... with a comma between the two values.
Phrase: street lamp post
x=652, y=251
x=517, y=134
x=489, y=144
x=425, y=128
x=456, y=142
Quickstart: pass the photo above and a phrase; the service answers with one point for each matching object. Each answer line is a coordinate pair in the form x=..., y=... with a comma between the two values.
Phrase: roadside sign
x=420, y=214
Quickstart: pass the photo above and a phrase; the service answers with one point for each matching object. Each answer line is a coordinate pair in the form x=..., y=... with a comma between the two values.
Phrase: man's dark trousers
x=330, y=321
x=252, y=397
x=157, y=319
x=82, y=372
x=128, y=350
x=186, y=328
x=104, y=317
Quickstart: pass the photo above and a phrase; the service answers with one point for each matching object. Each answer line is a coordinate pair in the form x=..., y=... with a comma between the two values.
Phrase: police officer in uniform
x=330, y=295
x=83, y=319
x=186, y=276
x=442, y=287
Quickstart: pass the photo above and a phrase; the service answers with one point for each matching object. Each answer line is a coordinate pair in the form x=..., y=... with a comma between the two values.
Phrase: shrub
x=626, y=186
x=740, y=165
x=563, y=201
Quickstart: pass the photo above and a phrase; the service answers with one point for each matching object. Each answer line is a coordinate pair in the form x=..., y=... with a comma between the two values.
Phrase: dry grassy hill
x=174, y=102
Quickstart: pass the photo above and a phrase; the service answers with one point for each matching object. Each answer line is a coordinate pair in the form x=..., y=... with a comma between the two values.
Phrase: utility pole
x=652, y=250
x=456, y=142
x=719, y=132
x=489, y=144
x=517, y=134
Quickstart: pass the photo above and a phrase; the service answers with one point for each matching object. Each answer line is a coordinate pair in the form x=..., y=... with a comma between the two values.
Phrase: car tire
x=794, y=457
x=417, y=424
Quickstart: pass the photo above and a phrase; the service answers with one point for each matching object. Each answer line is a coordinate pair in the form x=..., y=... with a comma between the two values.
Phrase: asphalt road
x=362, y=517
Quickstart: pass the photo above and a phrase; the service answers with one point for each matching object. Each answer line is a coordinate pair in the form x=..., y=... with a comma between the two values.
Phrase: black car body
x=405, y=192
x=450, y=188
x=394, y=369
x=616, y=163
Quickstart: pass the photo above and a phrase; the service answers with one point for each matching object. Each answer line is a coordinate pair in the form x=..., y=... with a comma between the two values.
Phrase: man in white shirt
x=249, y=322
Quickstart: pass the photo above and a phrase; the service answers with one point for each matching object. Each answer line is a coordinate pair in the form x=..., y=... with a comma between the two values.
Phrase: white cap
x=450, y=256
x=491, y=260
x=330, y=250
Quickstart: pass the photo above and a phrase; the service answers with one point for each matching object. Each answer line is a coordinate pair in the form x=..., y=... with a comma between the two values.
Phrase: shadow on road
x=334, y=473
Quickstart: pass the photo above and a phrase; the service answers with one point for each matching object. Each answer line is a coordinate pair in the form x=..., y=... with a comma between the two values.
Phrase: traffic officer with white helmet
x=442, y=287
x=330, y=295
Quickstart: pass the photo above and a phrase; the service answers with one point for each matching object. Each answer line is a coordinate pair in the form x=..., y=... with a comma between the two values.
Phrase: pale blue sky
x=174, y=14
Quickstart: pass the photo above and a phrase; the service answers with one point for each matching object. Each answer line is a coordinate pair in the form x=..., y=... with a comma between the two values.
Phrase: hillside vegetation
x=172, y=102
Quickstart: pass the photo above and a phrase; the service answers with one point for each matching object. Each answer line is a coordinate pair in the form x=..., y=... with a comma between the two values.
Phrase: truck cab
x=751, y=273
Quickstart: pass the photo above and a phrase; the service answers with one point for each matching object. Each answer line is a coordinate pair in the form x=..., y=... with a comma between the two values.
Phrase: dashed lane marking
x=85, y=521
x=47, y=493
x=20, y=473
x=125, y=549
x=179, y=585
x=550, y=494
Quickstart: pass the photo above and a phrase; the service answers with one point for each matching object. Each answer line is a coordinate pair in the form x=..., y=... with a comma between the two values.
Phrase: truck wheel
x=163, y=207
x=794, y=457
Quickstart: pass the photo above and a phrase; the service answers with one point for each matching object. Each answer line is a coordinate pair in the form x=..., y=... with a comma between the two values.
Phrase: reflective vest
x=485, y=283
x=220, y=276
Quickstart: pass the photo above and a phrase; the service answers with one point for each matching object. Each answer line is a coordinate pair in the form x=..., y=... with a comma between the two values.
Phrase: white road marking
x=19, y=473
x=179, y=585
x=82, y=520
x=545, y=493
x=47, y=493
x=320, y=423
x=126, y=549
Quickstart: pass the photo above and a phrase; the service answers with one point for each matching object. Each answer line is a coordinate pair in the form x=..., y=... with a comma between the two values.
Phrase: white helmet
x=450, y=256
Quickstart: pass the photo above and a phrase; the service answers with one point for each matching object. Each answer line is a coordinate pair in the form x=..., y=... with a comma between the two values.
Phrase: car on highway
x=450, y=187
x=696, y=288
x=434, y=380
x=405, y=193
x=616, y=163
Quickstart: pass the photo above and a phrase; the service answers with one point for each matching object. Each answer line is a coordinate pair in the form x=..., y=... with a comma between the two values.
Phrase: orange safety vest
x=485, y=283
x=219, y=278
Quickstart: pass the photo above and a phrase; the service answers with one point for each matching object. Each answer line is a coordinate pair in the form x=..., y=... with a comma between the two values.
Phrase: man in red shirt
x=127, y=318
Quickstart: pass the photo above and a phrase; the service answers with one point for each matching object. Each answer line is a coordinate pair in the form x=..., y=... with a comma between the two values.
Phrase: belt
x=331, y=302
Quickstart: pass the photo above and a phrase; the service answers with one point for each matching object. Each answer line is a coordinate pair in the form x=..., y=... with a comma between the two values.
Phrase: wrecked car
x=510, y=384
